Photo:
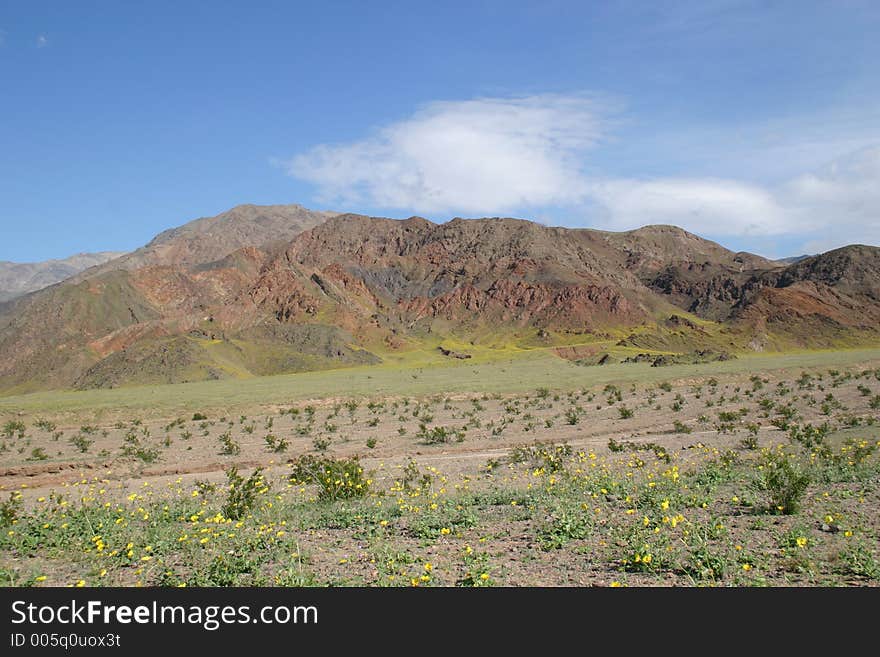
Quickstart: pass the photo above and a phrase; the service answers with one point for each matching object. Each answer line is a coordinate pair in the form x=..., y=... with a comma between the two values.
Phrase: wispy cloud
x=489, y=155
x=835, y=204
x=522, y=155
x=42, y=41
x=708, y=206
x=839, y=203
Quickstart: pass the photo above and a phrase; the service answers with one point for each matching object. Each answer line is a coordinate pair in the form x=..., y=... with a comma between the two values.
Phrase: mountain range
x=18, y=278
x=268, y=289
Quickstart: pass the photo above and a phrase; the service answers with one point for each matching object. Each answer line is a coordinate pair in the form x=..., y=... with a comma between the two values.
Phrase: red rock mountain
x=261, y=290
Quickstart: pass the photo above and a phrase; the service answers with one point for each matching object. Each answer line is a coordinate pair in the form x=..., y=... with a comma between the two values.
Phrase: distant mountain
x=18, y=278
x=281, y=289
x=792, y=259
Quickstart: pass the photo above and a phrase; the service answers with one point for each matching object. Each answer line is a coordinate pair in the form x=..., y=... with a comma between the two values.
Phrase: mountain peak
x=207, y=239
x=661, y=229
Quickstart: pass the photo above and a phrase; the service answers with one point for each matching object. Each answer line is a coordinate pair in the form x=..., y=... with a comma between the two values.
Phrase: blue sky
x=753, y=123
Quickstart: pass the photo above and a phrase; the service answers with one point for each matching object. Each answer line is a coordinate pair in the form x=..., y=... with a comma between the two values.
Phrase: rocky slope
x=208, y=239
x=814, y=300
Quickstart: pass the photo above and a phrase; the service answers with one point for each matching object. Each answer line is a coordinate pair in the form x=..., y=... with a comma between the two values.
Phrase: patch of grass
x=858, y=560
x=565, y=523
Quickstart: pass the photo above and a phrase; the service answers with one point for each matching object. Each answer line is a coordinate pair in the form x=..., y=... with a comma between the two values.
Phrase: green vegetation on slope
x=419, y=373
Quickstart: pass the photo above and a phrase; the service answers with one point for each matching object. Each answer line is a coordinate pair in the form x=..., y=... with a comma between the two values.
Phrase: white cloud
x=483, y=156
x=526, y=155
x=840, y=202
x=836, y=204
x=42, y=41
x=708, y=206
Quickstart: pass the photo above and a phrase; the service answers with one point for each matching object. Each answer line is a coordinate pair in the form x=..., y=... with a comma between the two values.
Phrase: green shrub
x=750, y=442
x=241, y=493
x=38, y=454
x=147, y=454
x=81, y=442
x=10, y=508
x=45, y=425
x=641, y=550
x=438, y=434
x=228, y=445
x=14, y=427
x=276, y=444
x=625, y=446
x=809, y=436
x=705, y=563
x=784, y=482
x=336, y=478
x=540, y=455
